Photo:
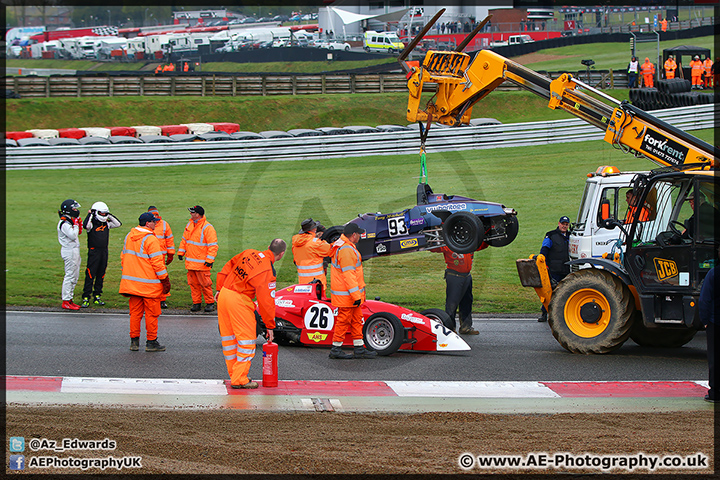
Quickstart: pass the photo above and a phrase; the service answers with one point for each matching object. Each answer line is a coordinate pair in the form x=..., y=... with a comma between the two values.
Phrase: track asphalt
x=662, y=380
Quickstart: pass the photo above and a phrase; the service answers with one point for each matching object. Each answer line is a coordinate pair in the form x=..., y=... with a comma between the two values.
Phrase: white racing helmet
x=101, y=211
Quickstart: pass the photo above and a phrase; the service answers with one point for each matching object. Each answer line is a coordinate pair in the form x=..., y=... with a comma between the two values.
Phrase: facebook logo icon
x=17, y=444
x=17, y=462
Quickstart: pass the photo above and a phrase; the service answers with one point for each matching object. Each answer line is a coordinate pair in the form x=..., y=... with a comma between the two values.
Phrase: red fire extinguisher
x=270, y=364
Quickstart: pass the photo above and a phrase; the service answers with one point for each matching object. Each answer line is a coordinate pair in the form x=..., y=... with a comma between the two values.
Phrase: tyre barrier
x=669, y=94
x=674, y=85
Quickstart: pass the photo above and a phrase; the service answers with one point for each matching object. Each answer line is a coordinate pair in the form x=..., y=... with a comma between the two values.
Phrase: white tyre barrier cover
x=141, y=130
x=44, y=133
x=199, y=128
x=96, y=132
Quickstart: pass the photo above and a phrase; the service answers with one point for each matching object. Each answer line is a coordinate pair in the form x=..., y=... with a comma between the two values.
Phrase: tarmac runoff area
x=364, y=396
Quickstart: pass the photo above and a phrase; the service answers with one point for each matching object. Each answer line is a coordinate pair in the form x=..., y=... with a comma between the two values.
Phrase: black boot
x=543, y=317
x=154, y=346
x=196, y=307
x=362, y=352
x=134, y=344
x=210, y=307
x=337, y=352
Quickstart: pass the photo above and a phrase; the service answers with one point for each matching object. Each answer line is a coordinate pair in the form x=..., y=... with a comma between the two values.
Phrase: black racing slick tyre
x=660, y=337
x=508, y=226
x=463, y=232
x=332, y=233
x=383, y=332
x=591, y=311
x=441, y=316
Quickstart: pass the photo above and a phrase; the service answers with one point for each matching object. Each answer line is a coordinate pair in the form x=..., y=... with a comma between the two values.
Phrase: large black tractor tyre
x=441, y=316
x=508, y=225
x=333, y=233
x=660, y=337
x=384, y=333
x=463, y=232
x=591, y=311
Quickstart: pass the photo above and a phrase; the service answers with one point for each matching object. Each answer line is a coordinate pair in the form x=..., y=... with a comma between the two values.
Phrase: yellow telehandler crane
x=648, y=291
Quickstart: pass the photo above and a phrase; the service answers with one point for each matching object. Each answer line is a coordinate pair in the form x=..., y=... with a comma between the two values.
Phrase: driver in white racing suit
x=69, y=228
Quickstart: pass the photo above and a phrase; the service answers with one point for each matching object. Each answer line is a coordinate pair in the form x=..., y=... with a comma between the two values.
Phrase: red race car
x=304, y=315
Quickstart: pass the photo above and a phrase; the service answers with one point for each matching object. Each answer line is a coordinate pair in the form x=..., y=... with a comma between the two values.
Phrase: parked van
x=382, y=42
x=513, y=40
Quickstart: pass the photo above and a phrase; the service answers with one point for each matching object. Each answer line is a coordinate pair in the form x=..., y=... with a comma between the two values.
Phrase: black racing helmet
x=70, y=208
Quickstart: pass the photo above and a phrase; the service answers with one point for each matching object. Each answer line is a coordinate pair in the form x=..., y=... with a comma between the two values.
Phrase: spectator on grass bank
x=199, y=247
x=163, y=232
x=98, y=223
x=69, y=229
x=709, y=311
x=633, y=70
x=556, y=248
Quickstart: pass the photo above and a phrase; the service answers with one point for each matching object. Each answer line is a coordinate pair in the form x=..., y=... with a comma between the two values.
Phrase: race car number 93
x=396, y=226
x=319, y=317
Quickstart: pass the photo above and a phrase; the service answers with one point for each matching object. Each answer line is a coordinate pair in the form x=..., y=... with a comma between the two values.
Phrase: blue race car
x=462, y=224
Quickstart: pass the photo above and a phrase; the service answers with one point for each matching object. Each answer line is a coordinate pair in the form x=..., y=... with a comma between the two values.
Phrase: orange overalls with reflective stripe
x=308, y=253
x=707, y=64
x=696, y=71
x=347, y=286
x=142, y=269
x=670, y=67
x=248, y=275
x=163, y=232
x=199, y=245
x=648, y=71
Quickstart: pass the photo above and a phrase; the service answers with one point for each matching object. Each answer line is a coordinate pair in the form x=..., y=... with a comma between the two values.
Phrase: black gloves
x=208, y=264
x=357, y=303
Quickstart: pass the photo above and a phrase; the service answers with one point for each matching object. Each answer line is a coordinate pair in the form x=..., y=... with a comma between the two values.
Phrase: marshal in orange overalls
x=248, y=275
x=648, y=71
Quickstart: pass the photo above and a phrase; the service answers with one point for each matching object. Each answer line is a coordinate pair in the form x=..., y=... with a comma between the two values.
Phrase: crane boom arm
x=464, y=79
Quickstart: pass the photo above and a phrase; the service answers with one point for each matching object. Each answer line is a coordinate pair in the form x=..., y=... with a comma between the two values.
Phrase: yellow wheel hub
x=587, y=313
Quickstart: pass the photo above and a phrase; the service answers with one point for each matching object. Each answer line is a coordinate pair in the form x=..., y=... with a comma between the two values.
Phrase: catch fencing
x=331, y=146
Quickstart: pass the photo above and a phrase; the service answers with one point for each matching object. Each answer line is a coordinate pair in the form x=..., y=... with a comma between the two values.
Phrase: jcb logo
x=665, y=268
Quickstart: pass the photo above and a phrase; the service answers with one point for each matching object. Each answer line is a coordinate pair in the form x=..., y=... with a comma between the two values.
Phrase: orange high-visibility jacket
x=347, y=283
x=457, y=261
x=708, y=66
x=696, y=67
x=163, y=232
x=251, y=273
x=142, y=264
x=643, y=217
x=647, y=68
x=308, y=253
x=199, y=244
x=670, y=67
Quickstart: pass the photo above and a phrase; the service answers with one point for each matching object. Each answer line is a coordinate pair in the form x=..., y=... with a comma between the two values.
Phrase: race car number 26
x=396, y=226
x=319, y=317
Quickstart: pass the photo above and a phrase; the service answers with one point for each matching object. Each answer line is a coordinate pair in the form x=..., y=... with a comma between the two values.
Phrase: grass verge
x=250, y=204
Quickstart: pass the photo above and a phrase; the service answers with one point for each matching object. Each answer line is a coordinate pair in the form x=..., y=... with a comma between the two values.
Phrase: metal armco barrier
x=332, y=146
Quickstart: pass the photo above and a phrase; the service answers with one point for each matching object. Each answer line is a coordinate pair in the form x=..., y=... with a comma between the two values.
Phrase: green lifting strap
x=423, y=166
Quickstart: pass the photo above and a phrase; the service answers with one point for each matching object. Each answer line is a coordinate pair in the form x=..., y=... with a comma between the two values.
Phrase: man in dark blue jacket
x=556, y=249
x=709, y=310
